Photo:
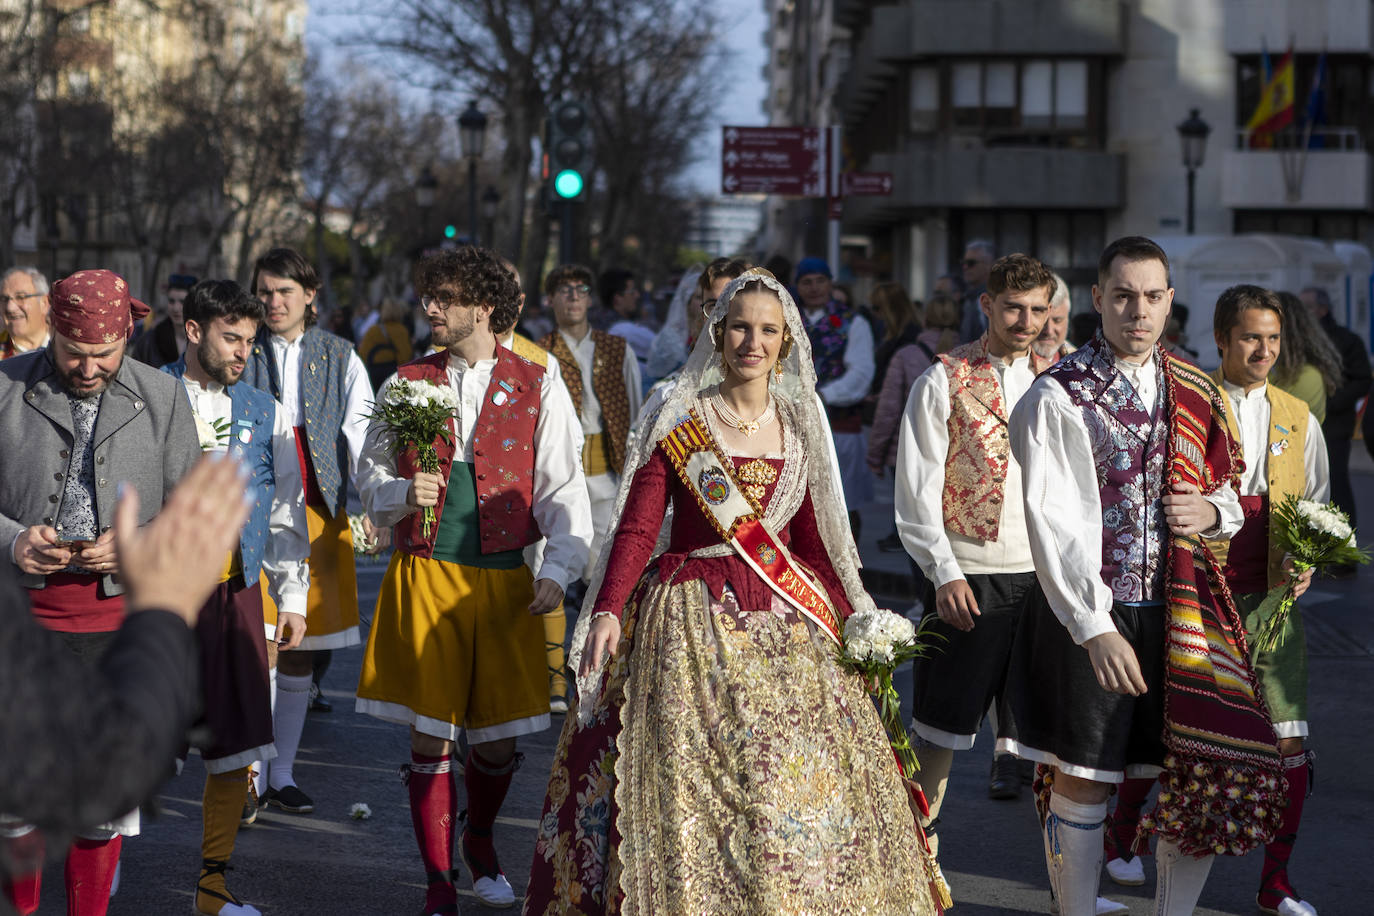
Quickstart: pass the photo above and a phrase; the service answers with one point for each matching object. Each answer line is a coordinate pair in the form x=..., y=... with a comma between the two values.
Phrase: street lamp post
x=1192, y=135
x=426, y=190
x=472, y=130
x=491, y=199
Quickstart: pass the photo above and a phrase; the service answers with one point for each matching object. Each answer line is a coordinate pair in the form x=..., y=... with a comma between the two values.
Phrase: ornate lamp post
x=472, y=131
x=1192, y=135
x=426, y=190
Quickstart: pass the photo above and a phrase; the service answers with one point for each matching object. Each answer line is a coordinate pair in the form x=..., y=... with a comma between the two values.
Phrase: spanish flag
x=1275, y=109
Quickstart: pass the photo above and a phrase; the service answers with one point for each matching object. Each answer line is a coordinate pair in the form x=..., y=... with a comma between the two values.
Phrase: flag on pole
x=1316, y=105
x=1275, y=109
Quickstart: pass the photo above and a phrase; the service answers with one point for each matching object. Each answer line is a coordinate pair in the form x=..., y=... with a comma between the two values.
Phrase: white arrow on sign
x=731, y=158
x=887, y=184
x=731, y=135
x=731, y=182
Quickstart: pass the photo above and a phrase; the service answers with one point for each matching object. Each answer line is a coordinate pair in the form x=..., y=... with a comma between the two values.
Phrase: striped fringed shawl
x=1222, y=790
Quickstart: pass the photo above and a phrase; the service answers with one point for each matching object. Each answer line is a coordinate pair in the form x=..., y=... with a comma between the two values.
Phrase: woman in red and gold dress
x=720, y=760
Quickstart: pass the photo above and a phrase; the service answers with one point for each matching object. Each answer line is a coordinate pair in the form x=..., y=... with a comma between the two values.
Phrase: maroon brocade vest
x=1130, y=449
x=503, y=456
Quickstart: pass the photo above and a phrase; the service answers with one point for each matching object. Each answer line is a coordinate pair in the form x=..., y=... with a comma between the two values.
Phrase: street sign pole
x=834, y=194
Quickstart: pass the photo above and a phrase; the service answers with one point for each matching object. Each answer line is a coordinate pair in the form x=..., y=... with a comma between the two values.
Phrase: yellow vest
x=521, y=345
x=1285, y=470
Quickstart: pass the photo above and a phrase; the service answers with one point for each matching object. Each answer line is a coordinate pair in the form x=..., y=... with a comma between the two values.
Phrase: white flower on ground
x=359, y=811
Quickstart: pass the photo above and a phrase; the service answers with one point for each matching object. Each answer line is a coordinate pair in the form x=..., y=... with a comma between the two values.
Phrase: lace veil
x=669, y=349
x=794, y=395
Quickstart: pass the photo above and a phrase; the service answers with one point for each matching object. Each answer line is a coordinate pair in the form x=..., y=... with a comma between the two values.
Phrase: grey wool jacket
x=145, y=436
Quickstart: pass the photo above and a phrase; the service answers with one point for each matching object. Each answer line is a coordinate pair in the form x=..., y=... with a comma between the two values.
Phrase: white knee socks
x=1073, y=853
x=288, y=721
x=1180, y=880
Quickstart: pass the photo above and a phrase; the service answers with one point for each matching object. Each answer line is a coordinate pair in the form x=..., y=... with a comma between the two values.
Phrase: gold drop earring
x=777, y=369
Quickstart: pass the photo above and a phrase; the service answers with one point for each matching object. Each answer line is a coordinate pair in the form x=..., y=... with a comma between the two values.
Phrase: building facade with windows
x=1050, y=126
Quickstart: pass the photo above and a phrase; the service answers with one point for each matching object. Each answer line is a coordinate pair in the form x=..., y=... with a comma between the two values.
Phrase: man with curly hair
x=457, y=641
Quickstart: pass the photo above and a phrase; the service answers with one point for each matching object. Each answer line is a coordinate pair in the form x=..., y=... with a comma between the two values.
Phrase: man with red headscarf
x=78, y=421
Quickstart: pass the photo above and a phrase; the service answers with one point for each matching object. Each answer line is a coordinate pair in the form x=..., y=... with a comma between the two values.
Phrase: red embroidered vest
x=979, y=450
x=608, y=383
x=503, y=456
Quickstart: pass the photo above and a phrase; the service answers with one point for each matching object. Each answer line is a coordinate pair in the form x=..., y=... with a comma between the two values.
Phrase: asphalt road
x=327, y=864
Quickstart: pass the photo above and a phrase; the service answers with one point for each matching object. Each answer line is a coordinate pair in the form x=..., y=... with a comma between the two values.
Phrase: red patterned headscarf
x=94, y=306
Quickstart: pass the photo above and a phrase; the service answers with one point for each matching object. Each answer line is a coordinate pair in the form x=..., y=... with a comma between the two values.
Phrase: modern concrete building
x=1050, y=126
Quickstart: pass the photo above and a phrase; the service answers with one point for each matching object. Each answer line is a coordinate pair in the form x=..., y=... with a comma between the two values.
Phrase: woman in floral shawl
x=721, y=761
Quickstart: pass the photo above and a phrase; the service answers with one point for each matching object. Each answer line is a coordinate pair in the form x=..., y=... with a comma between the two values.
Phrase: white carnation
x=874, y=635
x=1322, y=517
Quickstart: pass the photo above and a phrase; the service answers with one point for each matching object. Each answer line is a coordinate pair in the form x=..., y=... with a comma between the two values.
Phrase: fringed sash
x=1222, y=790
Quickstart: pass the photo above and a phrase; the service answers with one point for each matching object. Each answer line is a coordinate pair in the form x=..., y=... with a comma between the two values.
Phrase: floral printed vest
x=503, y=456
x=1130, y=449
x=979, y=451
x=829, y=337
x=608, y=382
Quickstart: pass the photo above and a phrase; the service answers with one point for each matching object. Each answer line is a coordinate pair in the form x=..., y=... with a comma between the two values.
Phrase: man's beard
x=452, y=332
x=67, y=381
x=219, y=370
x=1045, y=349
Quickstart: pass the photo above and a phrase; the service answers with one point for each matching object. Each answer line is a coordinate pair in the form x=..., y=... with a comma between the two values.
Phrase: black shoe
x=318, y=703
x=891, y=544
x=291, y=800
x=1026, y=770
x=1004, y=783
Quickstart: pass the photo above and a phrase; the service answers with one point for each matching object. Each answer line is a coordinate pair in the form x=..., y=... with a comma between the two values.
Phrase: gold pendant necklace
x=749, y=428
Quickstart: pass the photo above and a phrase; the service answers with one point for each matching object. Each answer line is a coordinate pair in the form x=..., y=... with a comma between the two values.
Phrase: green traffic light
x=450, y=232
x=568, y=183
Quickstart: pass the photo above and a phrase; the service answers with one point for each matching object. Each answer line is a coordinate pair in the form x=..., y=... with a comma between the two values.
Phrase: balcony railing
x=1347, y=139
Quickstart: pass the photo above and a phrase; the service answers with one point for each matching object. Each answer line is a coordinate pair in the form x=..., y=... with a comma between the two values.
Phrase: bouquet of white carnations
x=1314, y=535
x=212, y=433
x=876, y=642
x=416, y=412
x=361, y=543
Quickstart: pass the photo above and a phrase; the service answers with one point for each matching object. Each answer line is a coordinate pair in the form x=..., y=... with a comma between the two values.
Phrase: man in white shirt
x=1125, y=459
x=960, y=516
x=457, y=643
x=1053, y=342
x=1285, y=455
x=24, y=308
x=842, y=350
x=602, y=376
x=221, y=322
x=324, y=393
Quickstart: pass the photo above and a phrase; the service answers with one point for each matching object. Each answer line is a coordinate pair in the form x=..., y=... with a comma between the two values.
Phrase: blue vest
x=250, y=439
x=324, y=374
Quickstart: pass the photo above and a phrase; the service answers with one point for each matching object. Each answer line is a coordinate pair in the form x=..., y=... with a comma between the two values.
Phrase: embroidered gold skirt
x=730, y=767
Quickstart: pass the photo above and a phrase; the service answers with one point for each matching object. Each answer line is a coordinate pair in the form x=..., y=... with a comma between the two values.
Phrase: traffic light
x=450, y=231
x=568, y=145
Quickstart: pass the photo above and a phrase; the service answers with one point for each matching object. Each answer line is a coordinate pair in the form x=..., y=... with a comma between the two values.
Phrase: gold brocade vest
x=979, y=450
x=1285, y=470
x=608, y=382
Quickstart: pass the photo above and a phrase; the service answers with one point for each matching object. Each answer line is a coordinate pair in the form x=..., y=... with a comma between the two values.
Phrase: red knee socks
x=90, y=869
x=1274, y=885
x=486, y=784
x=25, y=855
x=1120, y=840
x=432, y=807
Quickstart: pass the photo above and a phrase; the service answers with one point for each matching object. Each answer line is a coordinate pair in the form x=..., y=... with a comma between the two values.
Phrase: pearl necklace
x=749, y=428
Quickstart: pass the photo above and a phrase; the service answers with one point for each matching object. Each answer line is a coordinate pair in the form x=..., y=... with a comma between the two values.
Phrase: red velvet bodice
x=653, y=486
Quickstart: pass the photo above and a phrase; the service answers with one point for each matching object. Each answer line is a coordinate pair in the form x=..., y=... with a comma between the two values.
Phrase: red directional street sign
x=876, y=184
x=774, y=160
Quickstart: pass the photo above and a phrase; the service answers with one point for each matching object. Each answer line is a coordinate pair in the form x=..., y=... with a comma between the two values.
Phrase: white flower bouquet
x=361, y=543
x=416, y=413
x=876, y=642
x=1313, y=535
x=213, y=434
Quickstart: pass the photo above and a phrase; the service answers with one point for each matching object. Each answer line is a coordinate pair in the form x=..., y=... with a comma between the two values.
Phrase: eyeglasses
x=571, y=291
x=444, y=301
x=18, y=297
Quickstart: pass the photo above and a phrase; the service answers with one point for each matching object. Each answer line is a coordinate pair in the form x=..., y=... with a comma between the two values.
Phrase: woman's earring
x=777, y=369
